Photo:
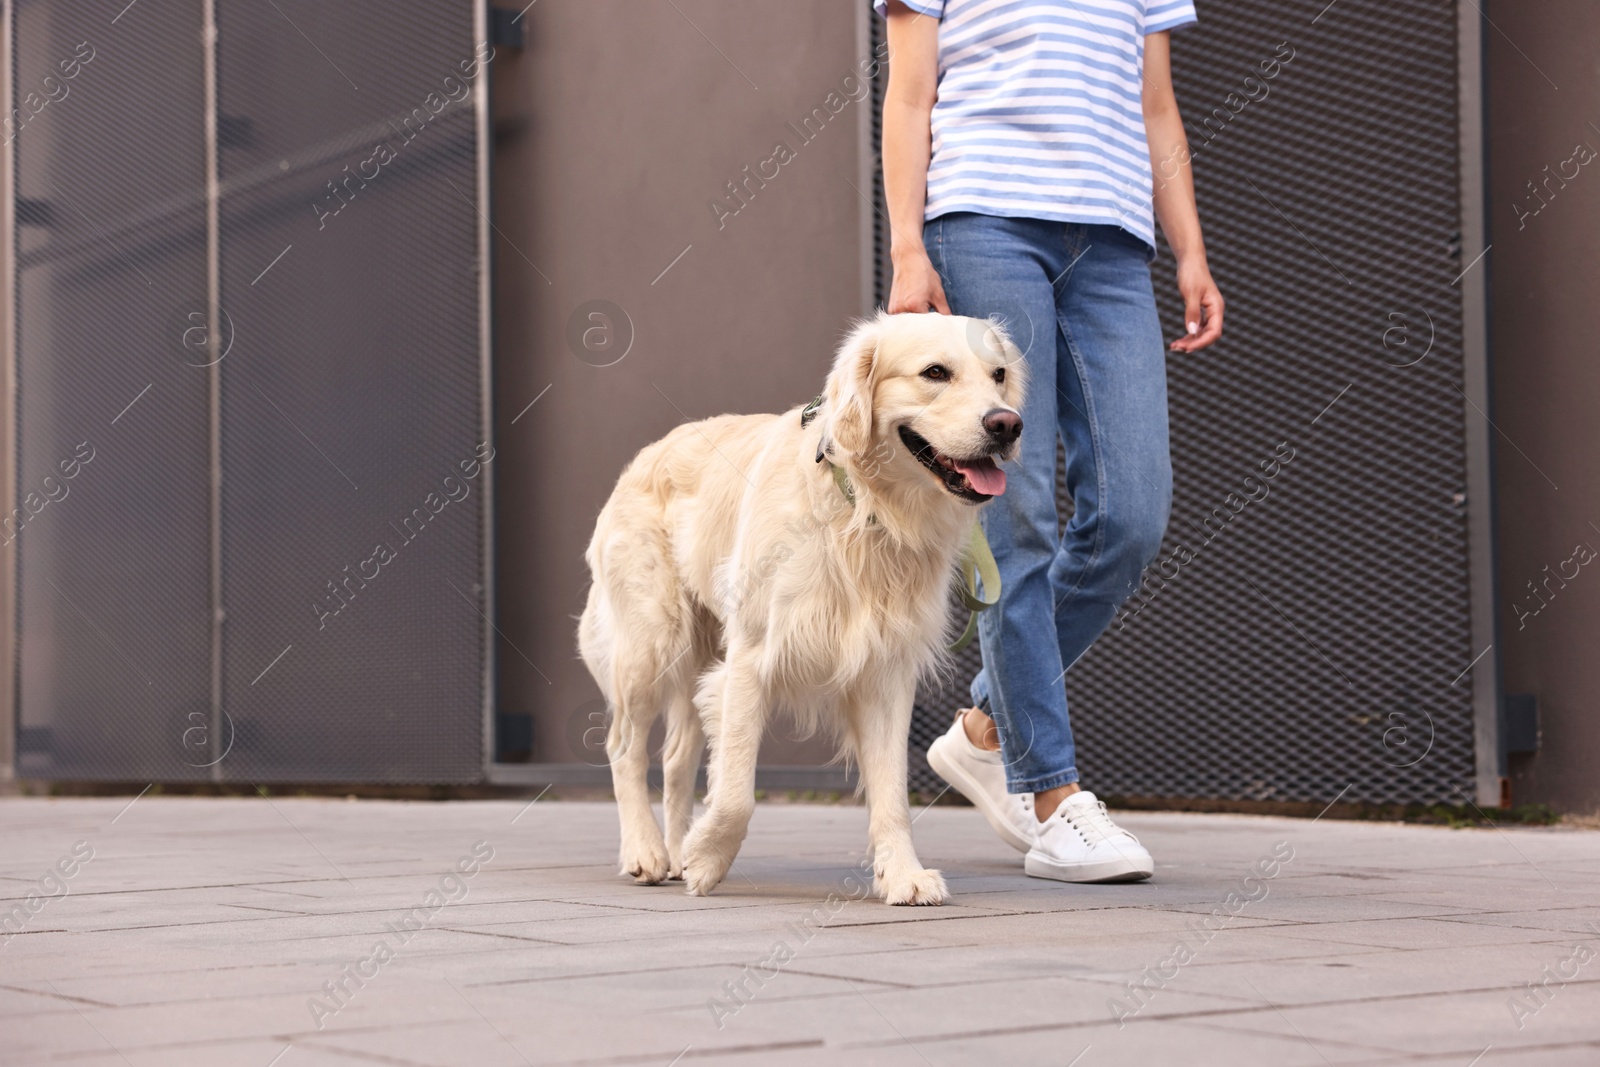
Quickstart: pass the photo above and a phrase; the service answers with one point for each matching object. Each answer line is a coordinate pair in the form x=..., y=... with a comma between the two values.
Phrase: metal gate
x=1322, y=631
x=249, y=346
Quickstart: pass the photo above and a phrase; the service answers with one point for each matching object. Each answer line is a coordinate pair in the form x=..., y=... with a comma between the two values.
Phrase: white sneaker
x=1080, y=843
x=978, y=775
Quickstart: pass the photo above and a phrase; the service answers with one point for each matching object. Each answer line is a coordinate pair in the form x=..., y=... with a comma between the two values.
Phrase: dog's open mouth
x=973, y=480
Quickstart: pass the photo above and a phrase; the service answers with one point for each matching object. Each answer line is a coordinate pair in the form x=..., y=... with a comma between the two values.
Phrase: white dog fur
x=732, y=577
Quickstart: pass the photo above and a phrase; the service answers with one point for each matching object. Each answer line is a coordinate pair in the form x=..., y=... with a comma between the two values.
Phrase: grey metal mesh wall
x=113, y=577
x=1319, y=640
x=350, y=394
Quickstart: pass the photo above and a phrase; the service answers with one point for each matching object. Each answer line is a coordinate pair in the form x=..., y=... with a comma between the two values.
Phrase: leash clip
x=809, y=412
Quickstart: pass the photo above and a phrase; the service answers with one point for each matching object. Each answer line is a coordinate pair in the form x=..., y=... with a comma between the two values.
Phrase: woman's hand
x=916, y=286
x=1202, y=305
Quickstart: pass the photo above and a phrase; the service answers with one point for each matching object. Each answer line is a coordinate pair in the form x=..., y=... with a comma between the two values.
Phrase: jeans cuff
x=1039, y=785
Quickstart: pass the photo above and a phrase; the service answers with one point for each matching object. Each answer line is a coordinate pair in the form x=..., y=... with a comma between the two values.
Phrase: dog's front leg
x=881, y=721
x=737, y=719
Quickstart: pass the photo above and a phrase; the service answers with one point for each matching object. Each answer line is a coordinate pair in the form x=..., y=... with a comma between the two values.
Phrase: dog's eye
x=937, y=373
x=1000, y=375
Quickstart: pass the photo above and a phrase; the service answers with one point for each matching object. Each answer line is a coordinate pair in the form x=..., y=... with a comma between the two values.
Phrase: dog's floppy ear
x=850, y=387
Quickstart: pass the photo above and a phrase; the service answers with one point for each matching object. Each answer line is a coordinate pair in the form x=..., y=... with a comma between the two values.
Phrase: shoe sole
x=1104, y=871
x=968, y=786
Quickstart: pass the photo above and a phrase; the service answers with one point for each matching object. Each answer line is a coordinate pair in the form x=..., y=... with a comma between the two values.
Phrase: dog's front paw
x=704, y=864
x=914, y=886
x=647, y=864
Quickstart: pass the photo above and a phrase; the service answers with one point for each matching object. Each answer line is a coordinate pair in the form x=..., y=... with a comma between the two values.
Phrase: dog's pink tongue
x=984, y=476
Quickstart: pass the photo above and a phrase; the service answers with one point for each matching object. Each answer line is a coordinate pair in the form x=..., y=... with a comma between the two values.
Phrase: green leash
x=977, y=560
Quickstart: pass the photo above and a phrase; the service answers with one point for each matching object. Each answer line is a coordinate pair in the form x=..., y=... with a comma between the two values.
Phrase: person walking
x=1022, y=140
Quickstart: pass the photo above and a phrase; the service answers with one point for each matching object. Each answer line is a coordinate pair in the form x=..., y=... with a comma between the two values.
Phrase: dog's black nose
x=1003, y=425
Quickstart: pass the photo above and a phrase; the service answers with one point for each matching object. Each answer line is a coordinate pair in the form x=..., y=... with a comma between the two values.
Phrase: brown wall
x=1544, y=99
x=615, y=126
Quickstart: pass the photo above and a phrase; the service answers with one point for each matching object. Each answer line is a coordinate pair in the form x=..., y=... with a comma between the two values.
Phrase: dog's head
x=942, y=390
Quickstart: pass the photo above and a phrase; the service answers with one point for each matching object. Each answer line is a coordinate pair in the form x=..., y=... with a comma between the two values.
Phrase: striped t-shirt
x=1040, y=112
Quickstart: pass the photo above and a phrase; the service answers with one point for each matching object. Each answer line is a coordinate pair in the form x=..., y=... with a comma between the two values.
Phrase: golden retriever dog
x=737, y=572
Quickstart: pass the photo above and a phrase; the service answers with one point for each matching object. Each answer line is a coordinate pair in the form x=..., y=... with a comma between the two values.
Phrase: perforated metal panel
x=353, y=393
x=329, y=289
x=112, y=576
x=1320, y=641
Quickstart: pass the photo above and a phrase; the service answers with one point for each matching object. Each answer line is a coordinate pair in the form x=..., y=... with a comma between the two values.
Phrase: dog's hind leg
x=680, y=761
x=736, y=715
x=880, y=725
x=680, y=756
x=644, y=853
x=633, y=632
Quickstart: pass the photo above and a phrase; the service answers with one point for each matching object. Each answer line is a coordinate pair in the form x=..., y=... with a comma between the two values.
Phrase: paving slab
x=290, y=932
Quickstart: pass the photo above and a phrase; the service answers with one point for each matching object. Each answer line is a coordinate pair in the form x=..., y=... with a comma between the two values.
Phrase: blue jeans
x=1077, y=301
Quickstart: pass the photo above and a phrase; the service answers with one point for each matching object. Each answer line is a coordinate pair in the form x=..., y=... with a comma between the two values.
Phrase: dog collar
x=840, y=478
x=977, y=561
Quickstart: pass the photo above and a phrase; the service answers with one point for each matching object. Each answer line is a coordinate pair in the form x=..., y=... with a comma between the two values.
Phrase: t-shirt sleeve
x=931, y=8
x=1168, y=15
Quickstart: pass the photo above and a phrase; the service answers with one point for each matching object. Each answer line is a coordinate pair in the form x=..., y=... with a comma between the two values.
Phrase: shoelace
x=1094, y=822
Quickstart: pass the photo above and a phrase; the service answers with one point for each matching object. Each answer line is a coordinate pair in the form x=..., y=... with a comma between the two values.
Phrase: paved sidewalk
x=218, y=932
